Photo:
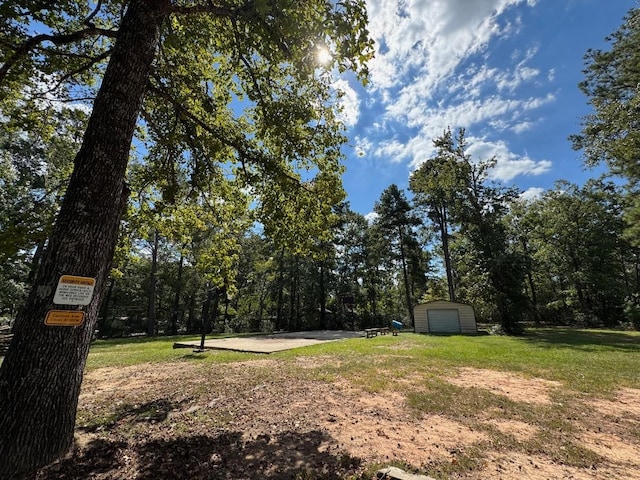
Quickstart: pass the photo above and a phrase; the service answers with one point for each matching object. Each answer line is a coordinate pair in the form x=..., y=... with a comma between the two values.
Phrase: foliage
x=201, y=179
x=438, y=186
x=396, y=222
x=581, y=262
x=228, y=94
x=611, y=133
x=455, y=194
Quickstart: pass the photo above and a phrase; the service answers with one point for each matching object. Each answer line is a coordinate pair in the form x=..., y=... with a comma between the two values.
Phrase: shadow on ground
x=584, y=339
x=289, y=455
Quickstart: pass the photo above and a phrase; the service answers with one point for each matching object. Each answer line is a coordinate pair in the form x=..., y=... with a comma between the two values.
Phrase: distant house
x=442, y=316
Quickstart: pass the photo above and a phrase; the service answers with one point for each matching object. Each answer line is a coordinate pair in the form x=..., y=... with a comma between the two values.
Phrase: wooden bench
x=373, y=332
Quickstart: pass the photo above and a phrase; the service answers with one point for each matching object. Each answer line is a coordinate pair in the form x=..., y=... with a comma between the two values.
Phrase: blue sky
x=505, y=70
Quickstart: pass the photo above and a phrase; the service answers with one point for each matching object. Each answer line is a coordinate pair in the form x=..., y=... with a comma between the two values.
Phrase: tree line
x=187, y=264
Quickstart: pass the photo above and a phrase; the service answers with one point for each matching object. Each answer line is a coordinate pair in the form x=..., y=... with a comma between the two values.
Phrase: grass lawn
x=590, y=361
x=547, y=403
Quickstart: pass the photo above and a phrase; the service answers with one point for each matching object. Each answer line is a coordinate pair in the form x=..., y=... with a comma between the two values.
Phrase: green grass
x=123, y=352
x=587, y=363
x=591, y=361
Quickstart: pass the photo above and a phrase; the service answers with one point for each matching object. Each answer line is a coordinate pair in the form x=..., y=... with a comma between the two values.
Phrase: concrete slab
x=272, y=343
x=394, y=473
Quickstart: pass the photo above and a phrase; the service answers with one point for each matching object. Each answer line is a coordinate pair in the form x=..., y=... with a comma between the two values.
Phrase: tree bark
x=323, y=299
x=41, y=375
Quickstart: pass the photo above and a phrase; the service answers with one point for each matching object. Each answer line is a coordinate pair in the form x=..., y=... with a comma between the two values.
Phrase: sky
x=505, y=70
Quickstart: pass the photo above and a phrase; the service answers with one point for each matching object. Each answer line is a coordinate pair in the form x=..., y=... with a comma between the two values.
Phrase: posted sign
x=64, y=318
x=73, y=290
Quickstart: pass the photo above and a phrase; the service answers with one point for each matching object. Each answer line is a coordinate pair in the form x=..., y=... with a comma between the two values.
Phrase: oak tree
x=231, y=82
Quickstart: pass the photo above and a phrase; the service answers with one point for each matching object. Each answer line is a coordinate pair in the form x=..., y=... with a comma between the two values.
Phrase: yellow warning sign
x=73, y=290
x=64, y=318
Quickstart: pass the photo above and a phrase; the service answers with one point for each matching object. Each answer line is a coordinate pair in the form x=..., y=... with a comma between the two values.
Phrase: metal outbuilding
x=443, y=316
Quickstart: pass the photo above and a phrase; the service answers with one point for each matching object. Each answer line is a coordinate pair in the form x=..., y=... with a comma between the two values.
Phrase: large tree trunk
x=42, y=372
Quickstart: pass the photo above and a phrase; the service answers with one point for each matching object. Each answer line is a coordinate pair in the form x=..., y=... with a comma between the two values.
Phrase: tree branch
x=80, y=69
x=209, y=7
x=63, y=39
x=88, y=21
x=245, y=151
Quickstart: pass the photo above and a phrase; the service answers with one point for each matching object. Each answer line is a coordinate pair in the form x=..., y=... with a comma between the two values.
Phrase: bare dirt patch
x=256, y=419
x=521, y=431
x=514, y=387
x=626, y=400
x=514, y=465
x=379, y=427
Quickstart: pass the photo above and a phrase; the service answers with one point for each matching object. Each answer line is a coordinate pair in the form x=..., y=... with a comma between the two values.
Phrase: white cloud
x=349, y=103
x=363, y=146
x=509, y=165
x=371, y=217
x=392, y=150
x=532, y=194
x=431, y=36
x=433, y=71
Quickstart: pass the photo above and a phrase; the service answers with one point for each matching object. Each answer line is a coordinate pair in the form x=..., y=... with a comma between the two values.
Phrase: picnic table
x=373, y=332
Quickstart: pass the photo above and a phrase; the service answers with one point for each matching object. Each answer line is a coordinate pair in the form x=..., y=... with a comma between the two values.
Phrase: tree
x=611, y=134
x=521, y=223
x=396, y=221
x=454, y=190
x=349, y=240
x=202, y=62
x=437, y=186
x=36, y=157
x=482, y=219
x=583, y=255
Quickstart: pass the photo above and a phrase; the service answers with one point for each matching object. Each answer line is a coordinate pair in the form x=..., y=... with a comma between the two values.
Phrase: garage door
x=444, y=321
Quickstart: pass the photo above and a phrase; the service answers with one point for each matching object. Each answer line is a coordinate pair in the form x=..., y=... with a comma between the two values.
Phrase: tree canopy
x=611, y=133
x=227, y=93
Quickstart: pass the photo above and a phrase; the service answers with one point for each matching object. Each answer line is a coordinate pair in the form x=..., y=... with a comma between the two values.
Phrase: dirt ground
x=235, y=421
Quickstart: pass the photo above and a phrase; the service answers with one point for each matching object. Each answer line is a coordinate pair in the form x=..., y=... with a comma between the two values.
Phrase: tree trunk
x=176, y=299
x=374, y=295
x=206, y=308
x=41, y=375
x=323, y=299
x=298, y=316
x=278, y=323
x=405, y=275
x=444, y=236
x=153, y=283
x=191, y=327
